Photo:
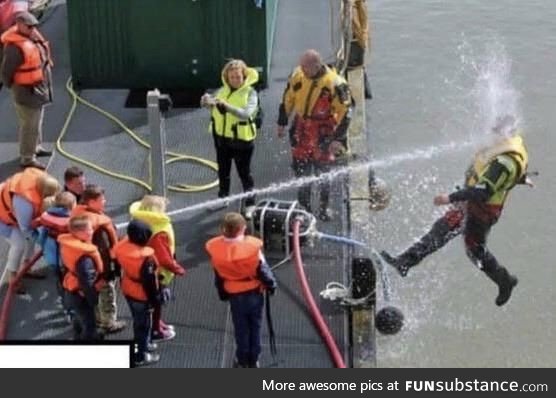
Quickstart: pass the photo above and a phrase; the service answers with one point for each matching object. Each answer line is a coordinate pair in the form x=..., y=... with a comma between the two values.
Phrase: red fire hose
x=6, y=305
x=315, y=313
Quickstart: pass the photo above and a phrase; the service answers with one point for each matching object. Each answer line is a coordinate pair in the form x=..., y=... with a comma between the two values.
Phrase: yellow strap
x=175, y=157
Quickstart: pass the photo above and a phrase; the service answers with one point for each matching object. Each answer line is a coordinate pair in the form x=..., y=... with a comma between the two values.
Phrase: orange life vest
x=71, y=251
x=236, y=262
x=23, y=184
x=31, y=72
x=98, y=221
x=312, y=134
x=54, y=225
x=131, y=258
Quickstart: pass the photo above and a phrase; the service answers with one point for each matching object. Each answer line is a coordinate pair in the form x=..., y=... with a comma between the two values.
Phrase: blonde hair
x=47, y=185
x=65, y=200
x=79, y=223
x=232, y=224
x=154, y=203
x=47, y=203
x=234, y=64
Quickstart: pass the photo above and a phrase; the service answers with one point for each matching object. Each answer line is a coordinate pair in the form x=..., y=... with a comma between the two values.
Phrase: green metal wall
x=173, y=44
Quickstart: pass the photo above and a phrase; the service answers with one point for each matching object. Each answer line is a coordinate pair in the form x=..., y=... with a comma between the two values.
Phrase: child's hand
x=165, y=295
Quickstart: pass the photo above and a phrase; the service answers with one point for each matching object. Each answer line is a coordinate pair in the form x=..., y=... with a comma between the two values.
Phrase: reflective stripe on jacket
x=511, y=153
x=159, y=223
x=228, y=125
x=302, y=94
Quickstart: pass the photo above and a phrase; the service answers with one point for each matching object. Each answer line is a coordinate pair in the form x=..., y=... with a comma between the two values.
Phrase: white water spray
x=493, y=90
x=493, y=95
x=419, y=153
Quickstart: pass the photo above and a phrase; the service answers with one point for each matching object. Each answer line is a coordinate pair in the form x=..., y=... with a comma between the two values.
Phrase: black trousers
x=475, y=233
x=142, y=326
x=306, y=168
x=241, y=155
x=84, y=322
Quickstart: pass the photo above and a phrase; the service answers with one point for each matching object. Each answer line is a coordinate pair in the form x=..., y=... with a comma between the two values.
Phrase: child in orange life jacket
x=83, y=278
x=241, y=276
x=104, y=237
x=139, y=286
x=54, y=222
x=151, y=210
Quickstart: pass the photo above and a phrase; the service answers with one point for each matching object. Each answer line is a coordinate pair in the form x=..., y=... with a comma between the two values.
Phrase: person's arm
x=87, y=276
x=148, y=279
x=11, y=61
x=161, y=246
x=341, y=131
x=265, y=274
x=477, y=194
x=247, y=111
x=288, y=100
x=103, y=240
x=219, y=284
x=341, y=101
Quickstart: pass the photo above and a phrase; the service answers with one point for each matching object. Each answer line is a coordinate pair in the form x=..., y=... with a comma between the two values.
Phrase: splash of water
x=493, y=94
x=483, y=91
x=419, y=153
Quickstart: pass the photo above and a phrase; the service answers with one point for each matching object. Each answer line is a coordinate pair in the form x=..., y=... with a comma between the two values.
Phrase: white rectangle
x=64, y=356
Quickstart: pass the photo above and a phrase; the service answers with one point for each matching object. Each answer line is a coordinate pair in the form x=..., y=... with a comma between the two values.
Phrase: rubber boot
x=400, y=263
x=440, y=234
x=505, y=281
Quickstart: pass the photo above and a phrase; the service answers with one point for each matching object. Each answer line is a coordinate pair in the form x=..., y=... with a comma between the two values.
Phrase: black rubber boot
x=400, y=264
x=437, y=237
x=505, y=281
x=505, y=290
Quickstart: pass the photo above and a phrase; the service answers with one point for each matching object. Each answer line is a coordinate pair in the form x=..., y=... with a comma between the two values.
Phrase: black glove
x=221, y=108
x=271, y=290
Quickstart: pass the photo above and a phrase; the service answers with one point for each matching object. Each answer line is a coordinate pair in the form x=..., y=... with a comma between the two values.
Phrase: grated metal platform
x=204, y=333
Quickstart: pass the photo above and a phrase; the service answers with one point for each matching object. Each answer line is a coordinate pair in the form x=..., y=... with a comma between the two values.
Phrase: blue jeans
x=247, y=316
x=142, y=325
